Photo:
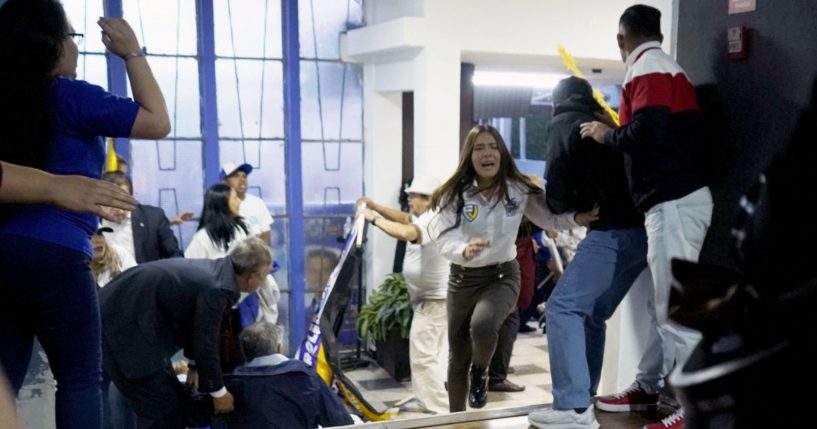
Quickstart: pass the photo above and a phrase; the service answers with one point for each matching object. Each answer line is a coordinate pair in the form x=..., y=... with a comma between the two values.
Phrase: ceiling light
x=526, y=80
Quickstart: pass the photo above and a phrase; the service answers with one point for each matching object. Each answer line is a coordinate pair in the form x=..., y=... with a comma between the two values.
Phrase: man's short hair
x=118, y=178
x=251, y=256
x=642, y=20
x=260, y=339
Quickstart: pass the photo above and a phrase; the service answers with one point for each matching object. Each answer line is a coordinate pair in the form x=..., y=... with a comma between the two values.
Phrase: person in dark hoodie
x=272, y=391
x=582, y=174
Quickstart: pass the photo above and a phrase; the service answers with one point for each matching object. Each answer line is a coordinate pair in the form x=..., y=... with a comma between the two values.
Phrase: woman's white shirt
x=484, y=218
x=202, y=247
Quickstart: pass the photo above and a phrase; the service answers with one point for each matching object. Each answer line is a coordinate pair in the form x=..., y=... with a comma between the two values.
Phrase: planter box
x=393, y=356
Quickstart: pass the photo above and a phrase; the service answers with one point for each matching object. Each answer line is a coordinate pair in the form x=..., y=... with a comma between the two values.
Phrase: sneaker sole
x=625, y=408
x=594, y=425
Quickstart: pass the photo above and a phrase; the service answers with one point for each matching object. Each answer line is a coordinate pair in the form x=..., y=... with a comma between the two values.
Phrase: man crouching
x=153, y=310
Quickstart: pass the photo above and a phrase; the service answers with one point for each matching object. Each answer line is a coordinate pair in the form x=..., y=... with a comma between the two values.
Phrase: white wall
x=418, y=45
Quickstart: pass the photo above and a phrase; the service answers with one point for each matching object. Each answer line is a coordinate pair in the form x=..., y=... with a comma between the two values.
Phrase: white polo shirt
x=425, y=270
x=484, y=218
x=256, y=215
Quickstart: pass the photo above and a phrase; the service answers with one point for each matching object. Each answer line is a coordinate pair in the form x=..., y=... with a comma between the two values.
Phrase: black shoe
x=525, y=328
x=478, y=394
x=504, y=386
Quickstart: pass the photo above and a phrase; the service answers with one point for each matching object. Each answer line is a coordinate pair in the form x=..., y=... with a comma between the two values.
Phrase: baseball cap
x=424, y=185
x=228, y=168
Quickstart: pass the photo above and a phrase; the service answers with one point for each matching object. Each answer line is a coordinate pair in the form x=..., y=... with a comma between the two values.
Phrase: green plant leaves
x=389, y=307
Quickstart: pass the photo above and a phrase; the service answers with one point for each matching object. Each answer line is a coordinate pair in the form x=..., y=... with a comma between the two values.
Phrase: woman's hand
x=474, y=248
x=118, y=37
x=83, y=194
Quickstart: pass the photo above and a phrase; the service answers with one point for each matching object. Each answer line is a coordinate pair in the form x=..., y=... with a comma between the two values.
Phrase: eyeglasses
x=77, y=37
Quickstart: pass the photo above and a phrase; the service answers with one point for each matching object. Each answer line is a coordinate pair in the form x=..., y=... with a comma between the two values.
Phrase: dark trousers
x=116, y=412
x=49, y=293
x=498, y=371
x=479, y=301
x=159, y=400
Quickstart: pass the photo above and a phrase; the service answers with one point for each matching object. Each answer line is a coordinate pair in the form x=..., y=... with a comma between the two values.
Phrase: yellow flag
x=111, y=163
x=570, y=65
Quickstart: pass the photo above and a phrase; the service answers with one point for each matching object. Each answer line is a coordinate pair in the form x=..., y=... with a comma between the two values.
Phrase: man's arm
x=650, y=99
x=401, y=231
x=211, y=306
x=389, y=213
x=648, y=127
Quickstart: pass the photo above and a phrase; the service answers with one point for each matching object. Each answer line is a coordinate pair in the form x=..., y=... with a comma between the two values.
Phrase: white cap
x=424, y=185
x=229, y=168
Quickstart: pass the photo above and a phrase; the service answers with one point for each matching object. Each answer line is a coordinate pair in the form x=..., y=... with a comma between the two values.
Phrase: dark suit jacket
x=289, y=395
x=152, y=237
x=152, y=310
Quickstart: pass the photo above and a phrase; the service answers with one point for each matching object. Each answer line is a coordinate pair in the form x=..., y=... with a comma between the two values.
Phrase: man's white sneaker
x=549, y=418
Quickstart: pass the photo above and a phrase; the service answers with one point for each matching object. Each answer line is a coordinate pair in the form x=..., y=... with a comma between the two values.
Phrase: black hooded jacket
x=582, y=173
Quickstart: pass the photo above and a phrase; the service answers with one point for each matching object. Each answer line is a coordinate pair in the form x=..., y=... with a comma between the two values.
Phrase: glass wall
x=332, y=140
x=248, y=81
x=168, y=173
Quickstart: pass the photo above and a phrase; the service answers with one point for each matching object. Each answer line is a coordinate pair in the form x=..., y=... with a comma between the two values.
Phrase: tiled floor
x=531, y=368
x=529, y=360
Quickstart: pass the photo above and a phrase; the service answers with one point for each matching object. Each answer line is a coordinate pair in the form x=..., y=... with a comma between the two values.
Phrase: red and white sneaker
x=634, y=398
x=673, y=421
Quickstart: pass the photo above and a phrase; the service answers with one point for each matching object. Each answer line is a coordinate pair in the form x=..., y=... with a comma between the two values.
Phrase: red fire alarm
x=738, y=43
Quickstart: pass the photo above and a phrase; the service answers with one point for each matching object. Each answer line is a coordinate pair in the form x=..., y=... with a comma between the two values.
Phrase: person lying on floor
x=272, y=391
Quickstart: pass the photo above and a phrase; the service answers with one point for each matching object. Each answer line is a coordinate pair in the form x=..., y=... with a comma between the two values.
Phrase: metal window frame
x=117, y=84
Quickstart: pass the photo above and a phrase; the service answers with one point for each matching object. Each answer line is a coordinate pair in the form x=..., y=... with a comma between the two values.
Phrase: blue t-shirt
x=82, y=114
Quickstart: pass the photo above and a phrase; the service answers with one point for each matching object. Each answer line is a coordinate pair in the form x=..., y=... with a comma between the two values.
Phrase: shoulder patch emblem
x=471, y=211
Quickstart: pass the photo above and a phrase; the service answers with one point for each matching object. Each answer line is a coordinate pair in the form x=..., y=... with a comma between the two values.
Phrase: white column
x=626, y=333
x=382, y=164
x=436, y=111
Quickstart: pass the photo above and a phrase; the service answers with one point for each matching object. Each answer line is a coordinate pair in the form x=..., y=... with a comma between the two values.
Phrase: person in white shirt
x=253, y=209
x=426, y=274
x=479, y=211
x=221, y=229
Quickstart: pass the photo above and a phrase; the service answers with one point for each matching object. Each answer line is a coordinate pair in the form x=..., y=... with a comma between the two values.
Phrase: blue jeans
x=604, y=268
x=49, y=292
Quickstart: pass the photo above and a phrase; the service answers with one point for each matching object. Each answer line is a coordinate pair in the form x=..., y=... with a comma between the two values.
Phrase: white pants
x=675, y=229
x=428, y=354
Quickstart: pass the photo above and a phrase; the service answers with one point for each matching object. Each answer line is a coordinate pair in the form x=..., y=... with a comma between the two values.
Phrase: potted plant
x=386, y=319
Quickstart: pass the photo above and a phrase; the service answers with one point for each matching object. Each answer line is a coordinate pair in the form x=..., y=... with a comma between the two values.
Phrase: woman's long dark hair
x=31, y=37
x=451, y=194
x=216, y=217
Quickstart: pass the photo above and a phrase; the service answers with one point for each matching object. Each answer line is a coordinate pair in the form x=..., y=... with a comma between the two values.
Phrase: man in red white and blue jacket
x=661, y=138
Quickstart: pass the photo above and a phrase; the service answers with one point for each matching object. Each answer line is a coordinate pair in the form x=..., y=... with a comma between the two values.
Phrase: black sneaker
x=478, y=394
x=525, y=328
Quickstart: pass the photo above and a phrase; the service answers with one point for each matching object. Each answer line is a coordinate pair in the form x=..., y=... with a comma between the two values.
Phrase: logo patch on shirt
x=511, y=207
x=471, y=211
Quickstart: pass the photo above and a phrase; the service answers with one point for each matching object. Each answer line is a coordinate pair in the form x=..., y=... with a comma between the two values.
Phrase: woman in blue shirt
x=50, y=121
